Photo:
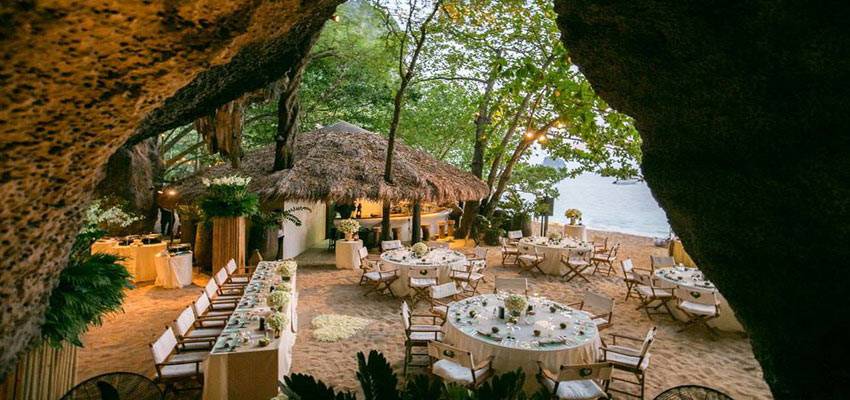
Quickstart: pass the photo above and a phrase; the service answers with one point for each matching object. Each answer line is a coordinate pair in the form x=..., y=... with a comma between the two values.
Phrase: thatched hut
x=343, y=162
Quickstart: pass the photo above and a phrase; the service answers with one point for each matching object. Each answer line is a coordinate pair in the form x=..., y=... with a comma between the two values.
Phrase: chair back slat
x=647, y=342
x=184, y=321
x=694, y=295
x=662, y=262
x=211, y=289
x=628, y=267
x=442, y=351
x=390, y=245
x=597, y=371
x=514, y=234
x=598, y=302
x=163, y=346
x=202, y=304
x=444, y=291
x=230, y=267
x=511, y=285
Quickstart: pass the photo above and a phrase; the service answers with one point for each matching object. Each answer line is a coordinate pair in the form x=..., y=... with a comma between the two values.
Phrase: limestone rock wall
x=743, y=111
x=79, y=78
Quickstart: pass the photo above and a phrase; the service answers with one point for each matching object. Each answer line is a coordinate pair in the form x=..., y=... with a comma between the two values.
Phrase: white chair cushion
x=578, y=263
x=180, y=370
x=453, y=372
x=529, y=257
x=646, y=291
x=708, y=310
x=422, y=282
x=376, y=276
x=627, y=360
x=510, y=250
x=239, y=279
x=426, y=336
x=426, y=328
x=576, y=390
x=466, y=276
x=204, y=332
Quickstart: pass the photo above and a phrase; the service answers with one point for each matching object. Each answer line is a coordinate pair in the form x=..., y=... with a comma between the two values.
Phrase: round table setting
x=444, y=260
x=552, y=250
x=549, y=332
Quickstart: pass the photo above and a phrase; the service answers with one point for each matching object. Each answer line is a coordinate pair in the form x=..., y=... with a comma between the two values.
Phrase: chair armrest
x=630, y=353
x=433, y=317
x=619, y=335
x=602, y=315
x=546, y=373
x=578, y=303
x=184, y=362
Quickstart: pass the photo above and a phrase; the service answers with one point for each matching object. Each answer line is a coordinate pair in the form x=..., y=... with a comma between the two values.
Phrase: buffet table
x=240, y=366
x=140, y=259
x=552, y=250
x=693, y=279
x=443, y=259
x=564, y=336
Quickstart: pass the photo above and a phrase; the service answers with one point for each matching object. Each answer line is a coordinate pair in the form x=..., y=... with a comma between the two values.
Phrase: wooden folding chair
x=576, y=262
x=418, y=335
x=420, y=280
x=455, y=365
x=631, y=360
x=577, y=382
x=605, y=259
x=649, y=292
x=701, y=306
x=508, y=251
x=630, y=278
x=601, y=309
x=657, y=262
x=374, y=276
x=530, y=260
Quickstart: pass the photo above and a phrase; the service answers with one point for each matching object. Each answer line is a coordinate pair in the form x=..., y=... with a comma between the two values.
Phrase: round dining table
x=551, y=333
x=552, y=250
x=689, y=278
x=444, y=260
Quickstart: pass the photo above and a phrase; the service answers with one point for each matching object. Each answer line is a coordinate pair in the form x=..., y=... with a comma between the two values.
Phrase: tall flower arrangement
x=228, y=196
x=573, y=214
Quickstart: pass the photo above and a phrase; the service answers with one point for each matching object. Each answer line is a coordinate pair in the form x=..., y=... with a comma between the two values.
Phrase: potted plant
x=349, y=227
x=573, y=214
x=227, y=203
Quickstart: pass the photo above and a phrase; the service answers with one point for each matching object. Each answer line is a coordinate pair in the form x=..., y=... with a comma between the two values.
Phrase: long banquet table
x=516, y=346
x=249, y=370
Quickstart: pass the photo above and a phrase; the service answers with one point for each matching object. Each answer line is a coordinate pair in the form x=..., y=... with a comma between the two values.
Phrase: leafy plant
x=91, y=286
x=229, y=197
x=379, y=382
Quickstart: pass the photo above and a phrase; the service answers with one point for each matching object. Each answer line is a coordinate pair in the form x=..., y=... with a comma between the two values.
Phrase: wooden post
x=416, y=232
x=44, y=373
x=228, y=242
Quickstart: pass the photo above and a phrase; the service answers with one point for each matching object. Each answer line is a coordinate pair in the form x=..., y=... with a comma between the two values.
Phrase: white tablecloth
x=577, y=232
x=692, y=278
x=580, y=337
x=347, y=253
x=173, y=271
x=403, y=259
x=552, y=251
x=251, y=372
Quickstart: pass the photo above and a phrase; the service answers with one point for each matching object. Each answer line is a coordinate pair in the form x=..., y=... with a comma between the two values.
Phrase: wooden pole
x=416, y=233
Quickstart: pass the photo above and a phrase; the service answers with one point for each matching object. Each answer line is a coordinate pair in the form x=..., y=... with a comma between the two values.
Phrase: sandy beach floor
x=690, y=357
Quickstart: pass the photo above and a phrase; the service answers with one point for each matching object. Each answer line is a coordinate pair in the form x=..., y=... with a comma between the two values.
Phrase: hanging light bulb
x=529, y=134
x=335, y=18
x=542, y=138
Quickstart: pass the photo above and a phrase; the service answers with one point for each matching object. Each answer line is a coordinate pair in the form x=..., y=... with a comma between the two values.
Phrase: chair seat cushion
x=708, y=310
x=426, y=328
x=425, y=336
x=578, y=263
x=466, y=276
x=377, y=276
x=240, y=279
x=454, y=372
x=530, y=258
x=630, y=361
x=576, y=390
x=646, y=291
x=180, y=370
x=510, y=250
x=422, y=282
x=204, y=332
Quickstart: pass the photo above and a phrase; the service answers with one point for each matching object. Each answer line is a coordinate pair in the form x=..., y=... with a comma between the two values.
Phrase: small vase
x=276, y=333
x=349, y=236
x=572, y=221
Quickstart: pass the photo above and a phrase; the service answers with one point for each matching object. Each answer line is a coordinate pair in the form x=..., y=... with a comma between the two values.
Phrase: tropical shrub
x=379, y=382
x=229, y=197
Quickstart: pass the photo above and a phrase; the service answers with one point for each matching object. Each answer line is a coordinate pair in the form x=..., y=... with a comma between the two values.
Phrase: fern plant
x=379, y=382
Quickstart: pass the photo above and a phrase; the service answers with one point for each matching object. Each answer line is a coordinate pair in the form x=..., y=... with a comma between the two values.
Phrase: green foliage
x=379, y=382
x=223, y=200
x=91, y=286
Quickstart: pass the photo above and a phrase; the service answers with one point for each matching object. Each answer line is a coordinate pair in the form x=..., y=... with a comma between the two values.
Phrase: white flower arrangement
x=283, y=287
x=97, y=216
x=232, y=180
x=555, y=236
x=278, y=299
x=349, y=226
x=277, y=321
x=515, y=303
x=286, y=268
x=335, y=327
x=420, y=249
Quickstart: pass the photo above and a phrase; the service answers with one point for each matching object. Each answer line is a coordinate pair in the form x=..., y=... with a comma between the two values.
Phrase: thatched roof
x=343, y=162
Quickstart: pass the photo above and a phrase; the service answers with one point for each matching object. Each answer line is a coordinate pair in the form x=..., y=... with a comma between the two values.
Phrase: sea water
x=627, y=208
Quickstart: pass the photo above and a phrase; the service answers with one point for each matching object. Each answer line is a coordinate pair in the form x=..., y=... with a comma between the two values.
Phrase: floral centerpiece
x=349, y=227
x=277, y=321
x=420, y=249
x=287, y=268
x=278, y=299
x=516, y=304
x=573, y=214
x=228, y=196
x=555, y=236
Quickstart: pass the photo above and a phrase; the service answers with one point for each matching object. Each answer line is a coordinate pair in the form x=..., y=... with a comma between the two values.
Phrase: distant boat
x=556, y=163
x=630, y=181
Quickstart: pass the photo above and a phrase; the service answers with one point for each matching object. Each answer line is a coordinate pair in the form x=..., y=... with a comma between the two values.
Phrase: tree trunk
x=385, y=221
x=416, y=221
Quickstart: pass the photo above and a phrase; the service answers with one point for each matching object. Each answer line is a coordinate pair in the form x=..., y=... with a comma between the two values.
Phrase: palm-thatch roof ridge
x=343, y=162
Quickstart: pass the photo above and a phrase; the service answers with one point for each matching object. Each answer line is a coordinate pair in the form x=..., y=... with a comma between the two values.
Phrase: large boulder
x=743, y=111
x=79, y=79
